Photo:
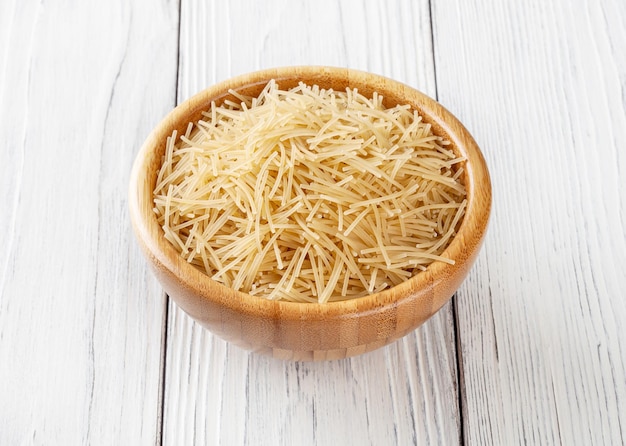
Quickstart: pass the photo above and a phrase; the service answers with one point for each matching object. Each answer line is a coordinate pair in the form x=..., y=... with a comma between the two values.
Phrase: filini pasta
x=310, y=195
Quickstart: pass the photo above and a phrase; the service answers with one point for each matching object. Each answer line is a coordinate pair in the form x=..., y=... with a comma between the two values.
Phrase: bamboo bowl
x=304, y=331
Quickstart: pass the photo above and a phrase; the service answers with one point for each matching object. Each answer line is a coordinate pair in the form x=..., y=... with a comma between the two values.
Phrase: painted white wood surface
x=542, y=86
x=81, y=318
x=218, y=394
x=85, y=329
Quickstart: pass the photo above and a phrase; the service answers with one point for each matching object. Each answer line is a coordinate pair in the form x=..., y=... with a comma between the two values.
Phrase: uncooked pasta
x=310, y=194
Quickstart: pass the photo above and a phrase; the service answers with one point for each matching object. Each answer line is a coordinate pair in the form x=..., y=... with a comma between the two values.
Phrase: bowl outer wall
x=310, y=331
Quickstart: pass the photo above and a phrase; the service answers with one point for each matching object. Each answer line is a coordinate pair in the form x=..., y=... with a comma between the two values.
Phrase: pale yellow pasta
x=310, y=195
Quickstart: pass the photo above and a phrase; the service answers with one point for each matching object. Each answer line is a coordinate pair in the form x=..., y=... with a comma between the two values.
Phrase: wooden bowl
x=305, y=331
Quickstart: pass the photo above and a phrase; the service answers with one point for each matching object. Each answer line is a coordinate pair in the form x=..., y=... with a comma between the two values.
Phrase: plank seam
x=460, y=381
x=165, y=324
x=162, y=372
x=458, y=354
x=432, y=46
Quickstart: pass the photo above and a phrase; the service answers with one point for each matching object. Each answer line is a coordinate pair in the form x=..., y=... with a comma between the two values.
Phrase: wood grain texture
x=81, y=319
x=216, y=393
x=541, y=86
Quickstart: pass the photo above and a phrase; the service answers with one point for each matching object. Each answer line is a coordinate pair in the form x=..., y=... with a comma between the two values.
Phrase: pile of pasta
x=309, y=194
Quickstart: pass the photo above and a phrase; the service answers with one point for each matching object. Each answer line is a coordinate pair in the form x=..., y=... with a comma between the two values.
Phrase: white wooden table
x=530, y=351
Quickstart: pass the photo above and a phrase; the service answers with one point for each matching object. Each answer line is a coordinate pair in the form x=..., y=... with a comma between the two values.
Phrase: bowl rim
x=470, y=233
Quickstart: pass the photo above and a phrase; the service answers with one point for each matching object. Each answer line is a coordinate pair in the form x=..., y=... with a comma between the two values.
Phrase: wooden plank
x=81, y=318
x=541, y=86
x=218, y=394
